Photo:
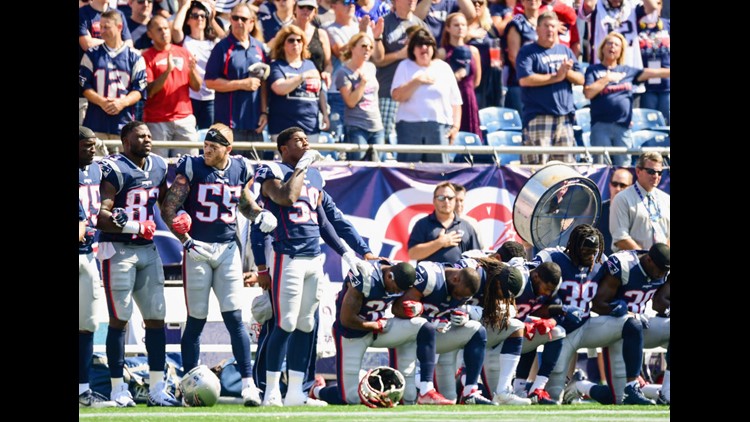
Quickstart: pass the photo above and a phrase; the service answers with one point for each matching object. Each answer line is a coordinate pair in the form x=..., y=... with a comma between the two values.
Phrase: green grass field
x=236, y=412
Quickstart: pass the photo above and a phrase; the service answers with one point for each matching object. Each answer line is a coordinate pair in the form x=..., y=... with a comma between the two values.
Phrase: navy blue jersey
x=137, y=190
x=214, y=195
x=432, y=284
x=298, y=107
x=636, y=287
x=577, y=287
x=478, y=298
x=88, y=24
x=111, y=74
x=554, y=99
x=89, y=199
x=376, y=298
x=297, y=232
x=527, y=302
x=614, y=103
x=528, y=35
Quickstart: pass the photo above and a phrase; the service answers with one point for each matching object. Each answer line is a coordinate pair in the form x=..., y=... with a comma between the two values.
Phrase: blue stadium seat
x=646, y=118
x=505, y=138
x=649, y=138
x=327, y=138
x=492, y=119
x=580, y=100
x=467, y=139
x=582, y=130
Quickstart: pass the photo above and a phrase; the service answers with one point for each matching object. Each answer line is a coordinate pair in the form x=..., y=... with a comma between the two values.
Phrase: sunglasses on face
x=366, y=46
x=618, y=185
x=291, y=40
x=144, y=1
x=240, y=18
x=309, y=8
x=445, y=198
x=198, y=15
x=652, y=171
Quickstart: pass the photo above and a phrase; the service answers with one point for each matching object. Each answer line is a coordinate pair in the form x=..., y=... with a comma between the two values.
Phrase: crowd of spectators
x=225, y=49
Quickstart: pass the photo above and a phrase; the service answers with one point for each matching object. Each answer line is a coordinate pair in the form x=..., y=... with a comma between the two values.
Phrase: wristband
x=379, y=39
x=263, y=271
x=264, y=112
x=131, y=227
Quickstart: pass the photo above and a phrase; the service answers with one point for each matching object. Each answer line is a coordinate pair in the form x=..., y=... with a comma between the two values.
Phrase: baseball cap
x=85, y=133
x=202, y=5
x=461, y=58
x=404, y=275
x=511, y=281
x=659, y=253
x=312, y=3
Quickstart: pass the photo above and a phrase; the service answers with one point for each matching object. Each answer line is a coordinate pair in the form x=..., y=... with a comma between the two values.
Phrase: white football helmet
x=381, y=387
x=200, y=387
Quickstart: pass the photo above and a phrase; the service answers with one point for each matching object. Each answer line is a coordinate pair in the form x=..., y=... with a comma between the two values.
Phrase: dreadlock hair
x=575, y=243
x=495, y=305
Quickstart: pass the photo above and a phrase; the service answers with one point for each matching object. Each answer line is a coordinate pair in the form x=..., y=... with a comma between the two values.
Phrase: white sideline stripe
x=614, y=414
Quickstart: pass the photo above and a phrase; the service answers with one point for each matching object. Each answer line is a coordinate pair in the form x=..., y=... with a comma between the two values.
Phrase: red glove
x=412, y=308
x=181, y=224
x=147, y=229
x=381, y=325
x=545, y=326
x=529, y=334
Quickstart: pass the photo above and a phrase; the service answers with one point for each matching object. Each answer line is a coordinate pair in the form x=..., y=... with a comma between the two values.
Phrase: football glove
x=198, y=251
x=529, y=330
x=459, y=318
x=572, y=315
x=310, y=156
x=412, y=308
x=442, y=325
x=147, y=229
x=382, y=326
x=182, y=222
x=545, y=326
x=119, y=217
x=619, y=308
x=357, y=265
x=90, y=233
x=267, y=221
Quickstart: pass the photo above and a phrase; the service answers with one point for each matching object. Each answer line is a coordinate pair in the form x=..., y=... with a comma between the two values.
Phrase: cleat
x=571, y=394
x=475, y=397
x=94, y=400
x=121, y=395
x=319, y=382
x=634, y=395
x=661, y=400
x=507, y=397
x=251, y=396
x=273, y=399
x=541, y=396
x=297, y=399
x=159, y=396
x=433, y=397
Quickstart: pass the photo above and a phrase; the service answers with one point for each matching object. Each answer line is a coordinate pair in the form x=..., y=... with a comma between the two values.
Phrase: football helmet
x=381, y=387
x=262, y=309
x=200, y=387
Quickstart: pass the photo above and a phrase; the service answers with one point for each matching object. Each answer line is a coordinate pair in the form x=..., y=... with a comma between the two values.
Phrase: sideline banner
x=385, y=202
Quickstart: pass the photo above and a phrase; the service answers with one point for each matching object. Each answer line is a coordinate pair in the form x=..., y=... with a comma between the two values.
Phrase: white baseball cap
x=312, y=3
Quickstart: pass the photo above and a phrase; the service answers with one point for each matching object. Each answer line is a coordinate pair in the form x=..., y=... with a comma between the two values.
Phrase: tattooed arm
x=173, y=200
x=248, y=207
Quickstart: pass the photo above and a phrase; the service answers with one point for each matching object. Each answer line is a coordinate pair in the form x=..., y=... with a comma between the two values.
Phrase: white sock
x=425, y=386
x=665, y=385
x=633, y=383
x=154, y=378
x=116, y=381
x=519, y=386
x=296, y=378
x=468, y=388
x=272, y=382
x=584, y=387
x=82, y=388
x=508, y=364
x=316, y=391
x=248, y=382
x=539, y=382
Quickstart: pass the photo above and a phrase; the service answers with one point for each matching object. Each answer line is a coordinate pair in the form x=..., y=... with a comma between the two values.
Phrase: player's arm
x=605, y=294
x=344, y=228
x=81, y=230
x=173, y=200
x=248, y=207
x=284, y=194
x=401, y=310
x=350, y=312
x=661, y=302
x=104, y=222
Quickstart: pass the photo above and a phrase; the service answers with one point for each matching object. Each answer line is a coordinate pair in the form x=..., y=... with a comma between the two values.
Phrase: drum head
x=552, y=202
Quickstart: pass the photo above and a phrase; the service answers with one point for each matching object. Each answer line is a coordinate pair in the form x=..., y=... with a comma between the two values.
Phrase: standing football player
x=211, y=188
x=132, y=183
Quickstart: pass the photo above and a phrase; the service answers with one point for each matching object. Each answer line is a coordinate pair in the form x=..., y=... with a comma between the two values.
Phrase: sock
x=156, y=340
x=272, y=382
x=539, y=382
x=426, y=352
x=115, y=352
x=519, y=386
x=190, y=344
x=85, y=353
x=240, y=341
x=296, y=378
x=468, y=389
x=154, y=378
x=508, y=365
x=82, y=388
x=665, y=385
x=633, y=383
x=584, y=387
x=425, y=386
x=651, y=391
x=116, y=381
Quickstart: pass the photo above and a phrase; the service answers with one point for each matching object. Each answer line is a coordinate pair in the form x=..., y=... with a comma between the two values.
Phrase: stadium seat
x=327, y=138
x=468, y=139
x=505, y=138
x=646, y=118
x=582, y=130
x=202, y=135
x=492, y=119
x=649, y=138
x=580, y=100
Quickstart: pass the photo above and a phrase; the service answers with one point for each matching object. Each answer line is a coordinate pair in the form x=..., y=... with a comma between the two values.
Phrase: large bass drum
x=552, y=202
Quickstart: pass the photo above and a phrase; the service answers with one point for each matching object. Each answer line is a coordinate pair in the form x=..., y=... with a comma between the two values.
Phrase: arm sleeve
x=328, y=233
x=343, y=227
x=257, y=244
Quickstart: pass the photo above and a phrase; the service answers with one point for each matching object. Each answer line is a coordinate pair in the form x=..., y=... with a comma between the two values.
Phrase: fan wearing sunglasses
x=621, y=179
x=640, y=214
